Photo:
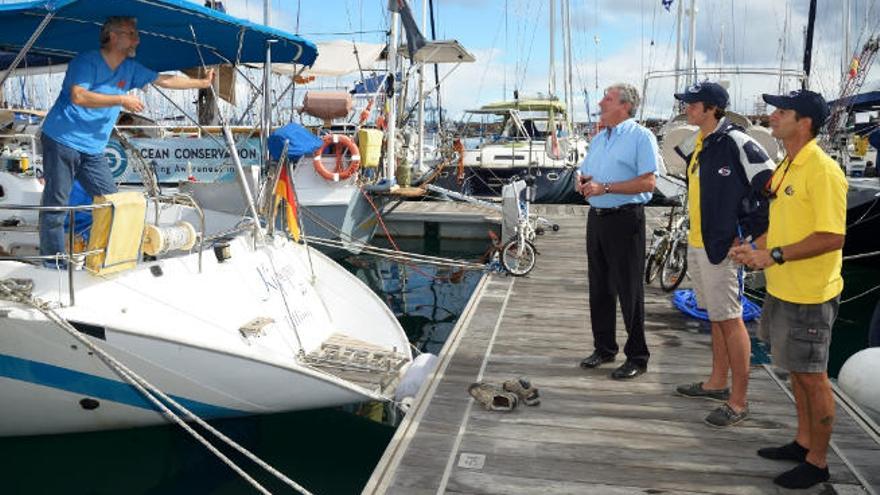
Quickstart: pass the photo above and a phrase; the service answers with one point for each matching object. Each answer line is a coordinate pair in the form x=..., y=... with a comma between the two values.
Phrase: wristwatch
x=776, y=254
x=607, y=187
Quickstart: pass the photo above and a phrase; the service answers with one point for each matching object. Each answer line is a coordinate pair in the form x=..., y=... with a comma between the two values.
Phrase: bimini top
x=534, y=105
x=166, y=30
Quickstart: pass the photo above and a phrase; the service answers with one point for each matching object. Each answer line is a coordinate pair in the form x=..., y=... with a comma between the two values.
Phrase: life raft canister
x=339, y=172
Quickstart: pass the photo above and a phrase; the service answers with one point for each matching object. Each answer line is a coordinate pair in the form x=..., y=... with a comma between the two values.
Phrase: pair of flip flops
x=506, y=398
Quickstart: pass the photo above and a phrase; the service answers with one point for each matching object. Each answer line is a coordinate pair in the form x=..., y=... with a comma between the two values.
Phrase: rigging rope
x=19, y=291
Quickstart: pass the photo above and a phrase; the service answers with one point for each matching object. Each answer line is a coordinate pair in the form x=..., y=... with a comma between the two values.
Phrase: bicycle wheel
x=655, y=261
x=673, y=271
x=518, y=258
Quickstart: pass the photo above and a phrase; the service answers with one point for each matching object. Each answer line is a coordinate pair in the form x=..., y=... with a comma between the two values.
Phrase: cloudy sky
x=510, y=39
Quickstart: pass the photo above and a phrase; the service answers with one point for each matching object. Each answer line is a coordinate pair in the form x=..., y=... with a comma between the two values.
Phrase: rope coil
x=160, y=240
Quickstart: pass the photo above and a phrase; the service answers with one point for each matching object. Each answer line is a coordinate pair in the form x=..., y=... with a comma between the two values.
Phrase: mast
x=679, y=16
x=436, y=68
x=847, y=51
x=808, y=45
x=552, y=86
x=391, y=129
x=266, y=123
x=569, y=94
x=267, y=100
x=421, y=141
x=784, y=44
x=692, y=49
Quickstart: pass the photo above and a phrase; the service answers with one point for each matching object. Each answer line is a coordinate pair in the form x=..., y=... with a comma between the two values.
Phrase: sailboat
x=535, y=138
x=224, y=314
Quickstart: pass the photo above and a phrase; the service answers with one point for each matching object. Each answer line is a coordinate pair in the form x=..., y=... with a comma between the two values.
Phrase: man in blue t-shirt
x=77, y=128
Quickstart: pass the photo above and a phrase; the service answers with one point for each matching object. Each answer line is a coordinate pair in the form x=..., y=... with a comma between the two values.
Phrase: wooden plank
x=591, y=434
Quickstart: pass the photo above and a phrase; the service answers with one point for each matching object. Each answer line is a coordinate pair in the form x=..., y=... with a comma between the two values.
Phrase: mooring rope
x=401, y=255
x=19, y=291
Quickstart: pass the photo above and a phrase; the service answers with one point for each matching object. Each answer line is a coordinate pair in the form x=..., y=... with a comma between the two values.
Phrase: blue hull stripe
x=93, y=386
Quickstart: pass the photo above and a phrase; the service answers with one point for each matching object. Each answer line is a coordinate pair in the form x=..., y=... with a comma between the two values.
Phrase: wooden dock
x=591, y=434
x=442, y=219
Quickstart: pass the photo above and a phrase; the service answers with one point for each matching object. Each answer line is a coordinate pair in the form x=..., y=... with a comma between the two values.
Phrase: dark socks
x=789, y=452
x=804, y=475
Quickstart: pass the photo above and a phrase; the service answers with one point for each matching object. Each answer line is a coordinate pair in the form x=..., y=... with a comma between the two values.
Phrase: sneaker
x=725, y=416
x=492, y=398
x=804, y=475
x=789, y=452
x=523, y=388
x=696, y=391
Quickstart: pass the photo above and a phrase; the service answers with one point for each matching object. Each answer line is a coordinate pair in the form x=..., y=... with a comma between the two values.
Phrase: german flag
x=284, y=192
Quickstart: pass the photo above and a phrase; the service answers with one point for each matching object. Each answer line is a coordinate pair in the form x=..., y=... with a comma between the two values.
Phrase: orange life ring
x=339, y=173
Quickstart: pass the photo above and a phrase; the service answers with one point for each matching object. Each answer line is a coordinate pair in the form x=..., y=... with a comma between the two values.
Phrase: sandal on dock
x=492, y=398
x=523, y=388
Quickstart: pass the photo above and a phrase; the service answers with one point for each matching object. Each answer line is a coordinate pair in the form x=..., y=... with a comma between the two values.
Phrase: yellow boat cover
x=117, y=230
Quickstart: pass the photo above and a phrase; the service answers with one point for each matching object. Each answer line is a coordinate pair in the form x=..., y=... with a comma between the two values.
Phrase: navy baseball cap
x=707, y=92
x=805, y=102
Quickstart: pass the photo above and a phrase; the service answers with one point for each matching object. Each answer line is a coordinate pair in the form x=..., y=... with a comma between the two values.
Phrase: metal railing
x=72, y=258
x=184, y=200
x=68, y=256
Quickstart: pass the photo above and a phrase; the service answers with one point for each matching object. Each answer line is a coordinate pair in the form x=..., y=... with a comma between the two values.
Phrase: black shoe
x=804, y=475
x=594, y=360
x=628, y=370
x=789, y=452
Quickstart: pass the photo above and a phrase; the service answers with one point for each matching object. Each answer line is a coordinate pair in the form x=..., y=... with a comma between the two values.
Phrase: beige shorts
x=716, y=286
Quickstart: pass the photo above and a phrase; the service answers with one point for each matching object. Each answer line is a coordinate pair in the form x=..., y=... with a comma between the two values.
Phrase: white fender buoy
x=859, y=377
x=414, y=376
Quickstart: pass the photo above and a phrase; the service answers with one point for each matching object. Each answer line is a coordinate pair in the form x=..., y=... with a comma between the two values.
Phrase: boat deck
x=591, y=434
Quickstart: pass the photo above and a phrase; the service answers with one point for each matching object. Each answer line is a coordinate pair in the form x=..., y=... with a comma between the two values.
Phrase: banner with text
x=176, y=159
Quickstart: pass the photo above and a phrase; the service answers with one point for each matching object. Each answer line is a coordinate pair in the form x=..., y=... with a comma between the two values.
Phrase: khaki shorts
x=799, y=334
x=716, y=286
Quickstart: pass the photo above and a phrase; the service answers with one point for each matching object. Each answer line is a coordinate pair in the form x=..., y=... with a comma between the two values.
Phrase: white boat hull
x=181, y=331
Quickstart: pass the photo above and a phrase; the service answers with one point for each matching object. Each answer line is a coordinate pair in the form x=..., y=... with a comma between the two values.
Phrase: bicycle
x=518, y=255
x=667, y=256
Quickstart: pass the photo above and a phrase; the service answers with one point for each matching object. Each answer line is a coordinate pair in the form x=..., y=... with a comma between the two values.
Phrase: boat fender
x=339, y=172
x=415, y=375
x=858, y=378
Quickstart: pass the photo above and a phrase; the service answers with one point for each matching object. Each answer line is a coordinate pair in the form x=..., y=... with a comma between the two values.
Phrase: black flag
x=414, y=38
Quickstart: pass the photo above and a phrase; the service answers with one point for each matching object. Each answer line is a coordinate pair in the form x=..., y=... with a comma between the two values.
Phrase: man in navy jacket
x=726, y=173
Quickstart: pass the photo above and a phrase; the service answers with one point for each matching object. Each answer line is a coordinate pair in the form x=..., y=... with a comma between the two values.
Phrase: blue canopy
x=167, y=42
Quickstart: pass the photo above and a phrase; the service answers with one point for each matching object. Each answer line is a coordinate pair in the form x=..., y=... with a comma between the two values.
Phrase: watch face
x=776, y=254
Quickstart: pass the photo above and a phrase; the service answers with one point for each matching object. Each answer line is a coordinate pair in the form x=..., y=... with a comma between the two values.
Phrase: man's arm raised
x=182, y=82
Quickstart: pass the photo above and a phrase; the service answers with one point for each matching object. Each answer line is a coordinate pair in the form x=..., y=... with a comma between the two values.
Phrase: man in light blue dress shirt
x=617, y=178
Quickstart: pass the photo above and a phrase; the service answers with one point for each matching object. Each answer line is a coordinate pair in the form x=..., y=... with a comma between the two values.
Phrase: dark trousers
x=616, y=267
x=61, y=165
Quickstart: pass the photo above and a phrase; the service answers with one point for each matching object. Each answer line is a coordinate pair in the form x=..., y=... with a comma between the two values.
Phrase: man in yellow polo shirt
x=802, y=256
